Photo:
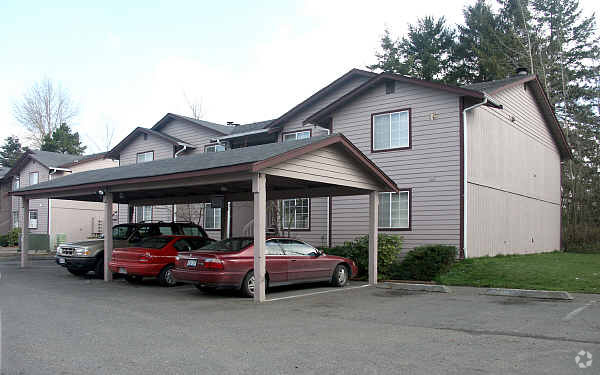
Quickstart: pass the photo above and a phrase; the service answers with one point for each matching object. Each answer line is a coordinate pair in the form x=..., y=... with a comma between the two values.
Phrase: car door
x=276, y=262
x=304, y=264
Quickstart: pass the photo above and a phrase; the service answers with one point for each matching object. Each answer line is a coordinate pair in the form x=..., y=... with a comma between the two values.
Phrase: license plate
x=61, y=260
x=123, y=271
x=192, y=262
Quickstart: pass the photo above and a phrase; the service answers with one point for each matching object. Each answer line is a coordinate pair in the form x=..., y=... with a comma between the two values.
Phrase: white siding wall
x=514, y=179
x=431, y=167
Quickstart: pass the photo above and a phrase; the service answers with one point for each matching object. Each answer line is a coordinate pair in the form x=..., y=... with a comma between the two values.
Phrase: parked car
x=81, y=257
x=229, y=264
x=153, y=257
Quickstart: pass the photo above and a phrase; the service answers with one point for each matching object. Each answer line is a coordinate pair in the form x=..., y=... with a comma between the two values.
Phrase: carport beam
x=25, y=232
x=259, y=190
x=108, y=239
x=373, y=234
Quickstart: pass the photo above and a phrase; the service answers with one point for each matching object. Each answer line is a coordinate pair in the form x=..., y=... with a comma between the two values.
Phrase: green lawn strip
x=571, y=272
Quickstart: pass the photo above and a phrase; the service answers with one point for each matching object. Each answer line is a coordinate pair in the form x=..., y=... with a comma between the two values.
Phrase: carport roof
x=247, y=159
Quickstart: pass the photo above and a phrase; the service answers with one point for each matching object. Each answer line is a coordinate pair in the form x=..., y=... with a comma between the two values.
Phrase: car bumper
x=209, y=278
x=75, y=263
x=148, y=270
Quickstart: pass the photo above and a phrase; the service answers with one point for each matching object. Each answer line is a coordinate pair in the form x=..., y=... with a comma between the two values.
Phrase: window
x=295, y=248
x=121, y=232
x=394, y=210
x=183, y=245
x=214, y=148
x=273, y=248
x=296, y=135
x=192, y=231
x=391, y=131
x=296, y=213
x=15, y=219
x=143, y=157
x=33, y=219
x=212, y=217
x=16, y=183
x=34, y=178
x=143, y=213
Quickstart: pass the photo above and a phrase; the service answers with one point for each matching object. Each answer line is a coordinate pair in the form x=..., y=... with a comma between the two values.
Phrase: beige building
x=51, y=219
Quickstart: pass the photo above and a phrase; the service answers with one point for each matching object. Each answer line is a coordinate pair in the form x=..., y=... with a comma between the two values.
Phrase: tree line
x=553, y=39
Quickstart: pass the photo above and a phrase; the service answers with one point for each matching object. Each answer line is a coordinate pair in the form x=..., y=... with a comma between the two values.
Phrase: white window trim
x=214, y=147
x=295, y=134
x=16, y=183
x=30, y=224
x=390, y=214
x=295, y=221
x=389, y=114
x=36, y=173
x=137, y=157
x=15, y=219
x=216, y=225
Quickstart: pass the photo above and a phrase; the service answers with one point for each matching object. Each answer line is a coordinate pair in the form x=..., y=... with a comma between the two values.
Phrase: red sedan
x=229, y=264
x=153, y=257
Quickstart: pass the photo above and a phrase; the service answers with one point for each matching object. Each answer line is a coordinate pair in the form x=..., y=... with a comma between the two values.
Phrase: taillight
x=213, y=264
x=146, y=258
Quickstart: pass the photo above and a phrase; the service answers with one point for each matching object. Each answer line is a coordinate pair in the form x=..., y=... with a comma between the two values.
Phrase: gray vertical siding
x=513, y=178
x=431, y=168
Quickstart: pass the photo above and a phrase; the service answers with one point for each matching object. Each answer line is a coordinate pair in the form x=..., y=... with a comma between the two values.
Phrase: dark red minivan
x=229, y=264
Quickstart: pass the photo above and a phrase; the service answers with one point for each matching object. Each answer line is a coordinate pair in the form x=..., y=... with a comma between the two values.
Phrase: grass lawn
x=572, y=272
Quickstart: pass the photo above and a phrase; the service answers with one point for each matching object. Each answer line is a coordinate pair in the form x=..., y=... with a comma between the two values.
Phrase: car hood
x=84, y=243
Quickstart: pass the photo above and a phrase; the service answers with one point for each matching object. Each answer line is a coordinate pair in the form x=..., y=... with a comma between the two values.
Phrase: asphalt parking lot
x=55, y=323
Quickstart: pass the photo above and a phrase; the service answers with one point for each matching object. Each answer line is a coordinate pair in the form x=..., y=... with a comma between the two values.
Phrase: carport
x=317, y=167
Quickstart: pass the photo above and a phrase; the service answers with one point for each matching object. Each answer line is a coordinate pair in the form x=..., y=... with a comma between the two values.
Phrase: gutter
x=465, y=184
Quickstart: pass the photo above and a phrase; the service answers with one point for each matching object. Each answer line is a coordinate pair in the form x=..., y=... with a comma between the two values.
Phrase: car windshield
x=230, y=244
x=154, y=242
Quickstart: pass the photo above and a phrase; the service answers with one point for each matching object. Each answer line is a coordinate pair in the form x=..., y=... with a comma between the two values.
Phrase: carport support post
x=373, y=223
x=108, y=239
x=25, y=232
x=224, y=218
x=259, y=190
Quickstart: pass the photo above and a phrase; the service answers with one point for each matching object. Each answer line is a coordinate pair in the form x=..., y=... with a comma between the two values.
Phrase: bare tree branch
x=194, y=106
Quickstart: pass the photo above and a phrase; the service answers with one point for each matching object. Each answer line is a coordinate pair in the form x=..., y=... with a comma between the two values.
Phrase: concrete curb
x=526, y=293
x=415, y=287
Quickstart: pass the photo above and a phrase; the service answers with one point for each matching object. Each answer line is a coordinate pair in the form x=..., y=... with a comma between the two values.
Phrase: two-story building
x=478, y=166
x=51, y=218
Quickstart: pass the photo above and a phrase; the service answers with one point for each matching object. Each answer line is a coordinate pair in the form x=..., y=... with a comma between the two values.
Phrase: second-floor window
x=212, y=217
x=143, y=157
x=16, y=183
x=296, y=135
x=34, y=178
x=391, y=130
x=295, y=213
x=214, y=148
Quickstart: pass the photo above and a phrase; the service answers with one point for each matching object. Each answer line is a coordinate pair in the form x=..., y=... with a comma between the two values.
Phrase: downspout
x=184, y=149
x=465, y=184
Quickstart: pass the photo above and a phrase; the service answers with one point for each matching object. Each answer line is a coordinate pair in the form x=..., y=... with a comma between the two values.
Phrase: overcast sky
x=243, y=61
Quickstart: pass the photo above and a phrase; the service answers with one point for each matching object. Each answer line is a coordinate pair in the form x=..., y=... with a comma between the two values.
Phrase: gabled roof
x=248, y=159
x=323, y=113
x=114, y=153
x=223, y=129
x=50, y=160
x=532, y=81
x=319, y=94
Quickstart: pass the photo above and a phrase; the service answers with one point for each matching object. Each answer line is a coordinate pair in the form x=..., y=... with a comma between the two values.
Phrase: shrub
x=388, y=249
x=425, y=263
x=581, y=238
x=13, y=237
x=3, y=240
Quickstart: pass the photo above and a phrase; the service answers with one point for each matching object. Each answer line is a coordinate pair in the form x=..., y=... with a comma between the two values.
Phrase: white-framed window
x=218, y=147
x=34, y=178
x=15, y=219
x=391, y=130
x=16, y=183
x=394, y=210
x=33, y=219
x=295, y=213
x=212, y=217
x=303, y=134
x=144, y=213
x=143, y=157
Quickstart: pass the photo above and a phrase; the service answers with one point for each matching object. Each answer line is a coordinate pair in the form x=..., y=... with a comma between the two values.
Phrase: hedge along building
x=478, y=166
x=255, y=173
x=48, y=218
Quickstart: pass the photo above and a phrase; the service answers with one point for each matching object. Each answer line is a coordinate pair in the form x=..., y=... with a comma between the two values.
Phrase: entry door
x=276, y=262
x=304, y=264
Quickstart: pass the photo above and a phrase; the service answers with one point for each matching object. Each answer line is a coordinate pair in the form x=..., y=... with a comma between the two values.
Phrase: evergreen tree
x=10, y=151
x=64, y=141
x=389, y=59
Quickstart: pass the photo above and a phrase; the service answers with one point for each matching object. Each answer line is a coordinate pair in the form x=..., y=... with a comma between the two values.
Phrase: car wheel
x=248, y=285
x=133, y=279
x=165, y=277
x=99, y=270
x=77, y=272
x=340, y=276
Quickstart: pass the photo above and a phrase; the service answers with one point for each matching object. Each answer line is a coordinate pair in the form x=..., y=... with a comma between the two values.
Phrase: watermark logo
x=583, y=359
